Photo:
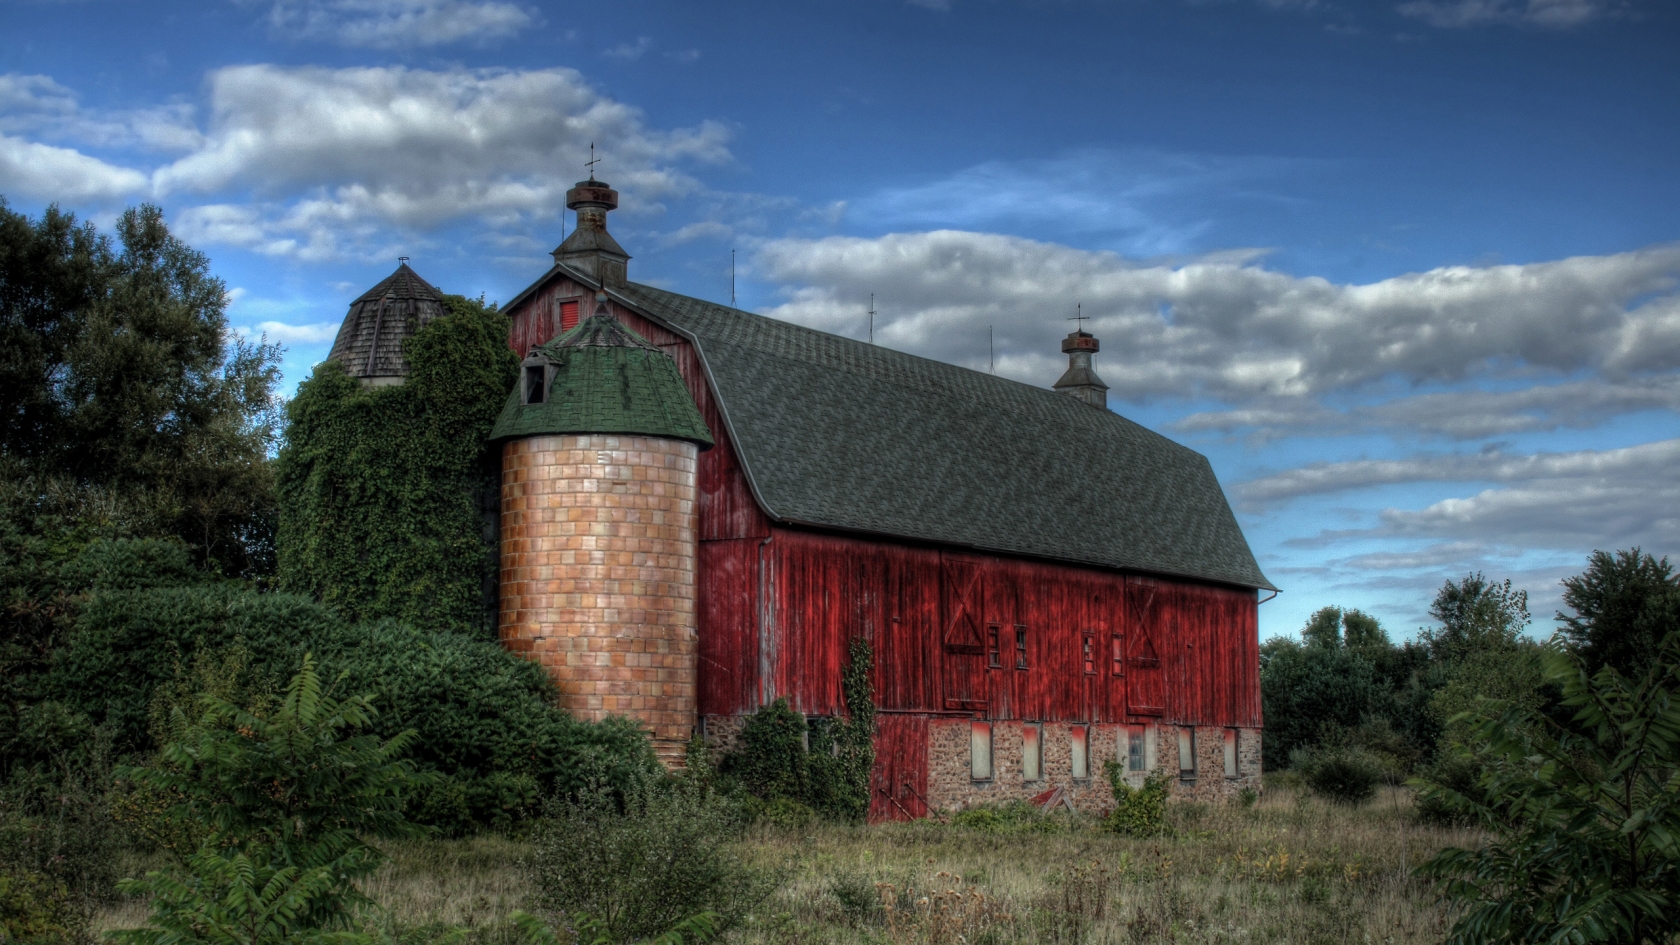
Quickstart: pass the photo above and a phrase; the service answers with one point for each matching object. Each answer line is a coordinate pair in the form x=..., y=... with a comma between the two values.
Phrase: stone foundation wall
x=723, y=732
x=951, y=786
x=598, y=559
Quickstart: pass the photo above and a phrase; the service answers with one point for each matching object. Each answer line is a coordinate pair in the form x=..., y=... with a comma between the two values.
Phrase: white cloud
x=1463, y=415
x=631, y=51
x=44, y=172
x=391, y=24
x=1650, y=461
x=1608, y=510
x=1222, y=326
x=336, y=157
x=283, y=333
x=1459, y=14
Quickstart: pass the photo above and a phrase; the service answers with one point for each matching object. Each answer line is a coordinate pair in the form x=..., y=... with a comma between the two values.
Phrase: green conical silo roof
x=607, y=379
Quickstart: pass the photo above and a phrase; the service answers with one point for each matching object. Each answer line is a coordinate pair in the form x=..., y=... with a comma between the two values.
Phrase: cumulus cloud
x=1461, y=415
x=1649, y=461
x=43, y=172
x=1459, y=14
x=284, y=333
x=336, y=156
x=1223, y=326
x=390, y=24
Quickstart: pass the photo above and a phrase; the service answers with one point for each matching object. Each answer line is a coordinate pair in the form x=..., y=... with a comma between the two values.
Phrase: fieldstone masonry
x=951, y=786
x=598, y=554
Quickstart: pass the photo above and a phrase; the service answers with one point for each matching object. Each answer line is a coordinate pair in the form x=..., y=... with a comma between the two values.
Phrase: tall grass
x=1291, y=868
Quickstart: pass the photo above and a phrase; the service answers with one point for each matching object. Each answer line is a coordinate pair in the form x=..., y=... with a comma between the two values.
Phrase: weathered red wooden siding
x=929, y=614
x=898, y=785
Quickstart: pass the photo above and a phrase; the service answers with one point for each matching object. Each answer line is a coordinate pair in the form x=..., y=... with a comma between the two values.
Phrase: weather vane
x=593, y=160
x=1079, y=316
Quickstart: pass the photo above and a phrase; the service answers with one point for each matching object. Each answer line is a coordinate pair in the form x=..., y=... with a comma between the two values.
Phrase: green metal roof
x=841, y=434
x=607, y=379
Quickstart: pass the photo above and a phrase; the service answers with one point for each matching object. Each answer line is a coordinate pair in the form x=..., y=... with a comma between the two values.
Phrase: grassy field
x=1289, y=869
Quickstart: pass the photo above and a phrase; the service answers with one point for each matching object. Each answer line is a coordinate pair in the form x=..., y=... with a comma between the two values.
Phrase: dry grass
x=1289, y=869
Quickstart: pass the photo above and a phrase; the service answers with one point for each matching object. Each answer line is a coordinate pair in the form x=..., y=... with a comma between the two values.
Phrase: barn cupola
x=370, y=342
x=1081, y=381
x=591, y=249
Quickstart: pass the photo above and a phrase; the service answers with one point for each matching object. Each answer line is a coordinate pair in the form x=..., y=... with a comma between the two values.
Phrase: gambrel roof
x=841, y=434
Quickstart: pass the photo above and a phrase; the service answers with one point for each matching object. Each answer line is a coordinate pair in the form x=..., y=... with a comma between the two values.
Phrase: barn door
x=898, y=785
x=1145, y=685
x=962, y=636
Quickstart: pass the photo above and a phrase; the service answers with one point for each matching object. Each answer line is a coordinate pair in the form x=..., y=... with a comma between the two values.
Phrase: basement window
x=1187, y=754
x=994, y=658
x=1032, y=751
x=1089, y=651
x=1230, y=753
x=1020, y=647
x=1079, y=754
x=980, y=751
x=1135, y=749
x=535, y=374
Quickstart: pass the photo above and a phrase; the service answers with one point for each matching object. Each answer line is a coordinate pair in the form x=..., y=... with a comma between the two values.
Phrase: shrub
x=34, y=908
x=642, y=867
x=771, y=760
x=1340, y=775
x=1582, y=816
x=1139, y=811
x=1304, y=687
x=289, y=801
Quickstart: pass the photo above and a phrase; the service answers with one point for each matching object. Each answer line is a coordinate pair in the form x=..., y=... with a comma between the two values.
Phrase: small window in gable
x=1089, y=648
x=535, y=388
x=1117, y=655
x=1032, y=751
x=1079, y=753
x=568, y=314
x=980, y=751
x=994, y=658
x=1020, y=647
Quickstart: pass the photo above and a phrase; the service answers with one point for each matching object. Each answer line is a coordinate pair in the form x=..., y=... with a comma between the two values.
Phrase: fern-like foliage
x=288, y=802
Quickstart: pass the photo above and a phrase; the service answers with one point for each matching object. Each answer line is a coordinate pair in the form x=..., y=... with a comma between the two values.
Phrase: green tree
x=287, y=803
x=1476, y=614
x=1305, y=688
x=389, y=494
x=1621, y=604
x=124, y=398
x=1584, y=817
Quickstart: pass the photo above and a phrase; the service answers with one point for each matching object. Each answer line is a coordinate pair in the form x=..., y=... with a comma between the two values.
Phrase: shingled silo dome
x=370, y=341
x=600, y=460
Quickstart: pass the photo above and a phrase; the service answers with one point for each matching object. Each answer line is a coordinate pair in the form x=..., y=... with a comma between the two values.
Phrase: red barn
x=1046, y=585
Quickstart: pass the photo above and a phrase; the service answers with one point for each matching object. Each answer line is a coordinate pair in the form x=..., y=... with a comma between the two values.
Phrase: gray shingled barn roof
x=846, y=435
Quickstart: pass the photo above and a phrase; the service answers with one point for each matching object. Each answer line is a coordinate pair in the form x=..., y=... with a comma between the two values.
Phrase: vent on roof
x=1080, y=381
x=590, y=248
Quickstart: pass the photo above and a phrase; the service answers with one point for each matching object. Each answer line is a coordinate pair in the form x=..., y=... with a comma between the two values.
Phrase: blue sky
x=1407, y=272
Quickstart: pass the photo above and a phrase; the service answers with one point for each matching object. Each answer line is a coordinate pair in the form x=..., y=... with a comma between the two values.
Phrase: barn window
x=994, y=658
x=980, y=751
x=1020, y=647
x=1187, y=754
x=1117, y=655
x=1135, y=749
x=1079, y=752
x=1230, y=753
x=1090, y=653
x=1032, y=751
x=568, y=314
x=535, y=374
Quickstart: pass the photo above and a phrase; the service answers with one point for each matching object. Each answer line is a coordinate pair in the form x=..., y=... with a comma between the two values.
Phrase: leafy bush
x=1340, y=774
x=771, y=760
x=34, y=908
x=1139, y=811
x=1456, y=773
x=1011, y=817
x=640, y=868
x=1304, y=687
x=1583, y=817
x=288, y=800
